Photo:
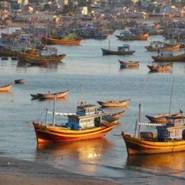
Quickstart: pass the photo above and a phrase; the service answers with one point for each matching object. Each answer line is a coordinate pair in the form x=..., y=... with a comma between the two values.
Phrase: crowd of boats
x=92, y=121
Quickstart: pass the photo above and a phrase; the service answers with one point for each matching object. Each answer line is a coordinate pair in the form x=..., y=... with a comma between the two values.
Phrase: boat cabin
x=157, y=44
x=166, y=54
x=86, y=109
x=124, y=47
x=175, y=129
x=86, y=117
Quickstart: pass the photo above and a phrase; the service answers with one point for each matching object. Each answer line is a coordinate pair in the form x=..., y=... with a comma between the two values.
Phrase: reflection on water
x=83, y=154
x=36, y=64
x=163, y=163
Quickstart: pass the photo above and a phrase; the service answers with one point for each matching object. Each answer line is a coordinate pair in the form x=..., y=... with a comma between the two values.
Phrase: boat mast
x=108, y=43
x=54, y=110
x=139, y=119
x=46, y=117
x=171, y=95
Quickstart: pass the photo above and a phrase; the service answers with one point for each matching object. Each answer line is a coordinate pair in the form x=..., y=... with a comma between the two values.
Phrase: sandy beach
x=16, y=172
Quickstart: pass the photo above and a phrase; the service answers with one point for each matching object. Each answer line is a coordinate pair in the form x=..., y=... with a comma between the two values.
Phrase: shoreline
x=16, y=172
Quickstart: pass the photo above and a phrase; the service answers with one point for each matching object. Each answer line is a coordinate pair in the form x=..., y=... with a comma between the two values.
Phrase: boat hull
x=131, y=38
x=130, y=64
x=6, y=88
x=160, y=68
x=69, y=42
x=137, y=146
x=43, y=96
x=53, y=134
x=114, y=104
x=178, y=58
x=166, y=48
x=30, y=58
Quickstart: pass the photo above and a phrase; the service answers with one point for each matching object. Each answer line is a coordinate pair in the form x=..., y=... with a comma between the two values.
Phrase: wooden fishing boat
x=50, y=95
x=169, y=58
x=61, y=41
x=163, y=118
x=129, y=64
x=122, y=50
x=168, y=138
x=114, y=103
x=156, y=46
x=138, y=146
x=131, y=37
x=6, y=88
x=162, y=68
x=85, y=124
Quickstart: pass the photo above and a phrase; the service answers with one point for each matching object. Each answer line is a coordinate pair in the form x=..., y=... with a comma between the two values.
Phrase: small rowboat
x=129, y=64
x=165, y=68
x=114, y=103
x=5, y=88
x=49, y=95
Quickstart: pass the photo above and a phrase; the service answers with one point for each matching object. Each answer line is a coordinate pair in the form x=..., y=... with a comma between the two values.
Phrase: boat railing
x=61, y=113
x=151, y=124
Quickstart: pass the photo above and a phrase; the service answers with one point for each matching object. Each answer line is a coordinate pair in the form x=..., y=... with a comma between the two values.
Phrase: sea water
x=89, y=76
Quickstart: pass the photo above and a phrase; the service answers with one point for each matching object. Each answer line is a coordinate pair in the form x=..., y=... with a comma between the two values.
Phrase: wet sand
x=16, y=172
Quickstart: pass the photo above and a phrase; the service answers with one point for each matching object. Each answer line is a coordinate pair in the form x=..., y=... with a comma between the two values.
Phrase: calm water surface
x=90, y=76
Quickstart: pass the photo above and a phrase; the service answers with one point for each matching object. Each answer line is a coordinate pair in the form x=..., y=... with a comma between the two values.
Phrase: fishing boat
x=130, y=36
x=161, y=68
x=157, y=46
x=85, y=124
x=6, y=88
x=163, y=118
x=122, y=50
x=61, y=41
x=168, y=138
x=114, y=103
x=49, y=95
x=30, y=58
x=129, y=64
x=169, y=57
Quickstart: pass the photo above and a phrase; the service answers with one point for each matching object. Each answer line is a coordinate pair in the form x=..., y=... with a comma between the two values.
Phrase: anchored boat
x=114, y=103
x=87, y=123
x=160, y=68
x=168, y=138
x=50, y=95
x=122, y=50
x=61, y=41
